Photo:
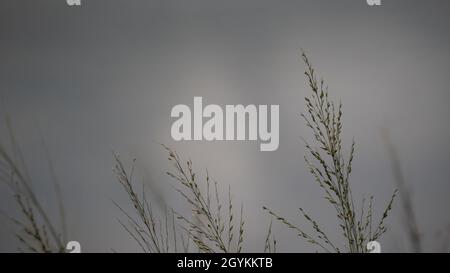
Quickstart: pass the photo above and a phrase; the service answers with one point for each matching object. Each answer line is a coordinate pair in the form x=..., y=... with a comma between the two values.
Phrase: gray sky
x=103, y=77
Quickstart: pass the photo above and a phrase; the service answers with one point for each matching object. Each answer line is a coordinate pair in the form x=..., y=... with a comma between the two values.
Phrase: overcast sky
x=104, y=77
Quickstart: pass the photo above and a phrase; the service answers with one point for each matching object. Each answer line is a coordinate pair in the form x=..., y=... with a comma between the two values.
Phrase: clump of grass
x=37, y=233
x=154, y=233
x=215, y=230
x=211, y=227
x=331, y=170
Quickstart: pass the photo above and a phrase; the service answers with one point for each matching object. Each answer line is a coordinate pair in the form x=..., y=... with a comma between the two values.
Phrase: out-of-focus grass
x=36, y=231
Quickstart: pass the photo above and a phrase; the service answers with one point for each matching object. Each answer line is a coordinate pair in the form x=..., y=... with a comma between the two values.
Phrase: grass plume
x=331, y=170
x=209, y=232
x=212, y=227
x=154, y=233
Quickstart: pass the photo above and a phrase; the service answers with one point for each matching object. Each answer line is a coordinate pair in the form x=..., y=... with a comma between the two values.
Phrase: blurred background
x=103, y=78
